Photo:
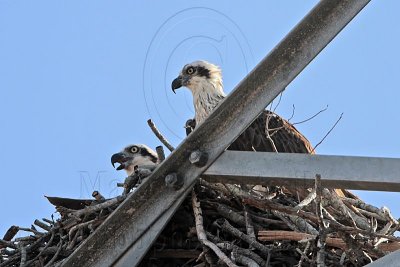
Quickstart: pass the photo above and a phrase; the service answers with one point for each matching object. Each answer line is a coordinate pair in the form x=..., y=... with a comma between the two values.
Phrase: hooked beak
x=120, y=158
x=177, y=83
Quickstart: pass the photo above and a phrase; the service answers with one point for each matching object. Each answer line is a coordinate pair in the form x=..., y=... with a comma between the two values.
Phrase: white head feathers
x=204, y=80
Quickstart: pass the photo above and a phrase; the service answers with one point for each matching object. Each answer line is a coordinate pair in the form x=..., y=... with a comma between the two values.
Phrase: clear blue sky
x=79, y=79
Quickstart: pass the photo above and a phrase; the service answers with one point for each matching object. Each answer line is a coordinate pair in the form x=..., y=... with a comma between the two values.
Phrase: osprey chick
x=132, y=156
x=204, y=80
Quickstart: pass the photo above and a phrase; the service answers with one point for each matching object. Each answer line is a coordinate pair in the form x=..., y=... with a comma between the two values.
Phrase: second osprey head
x=132, y=156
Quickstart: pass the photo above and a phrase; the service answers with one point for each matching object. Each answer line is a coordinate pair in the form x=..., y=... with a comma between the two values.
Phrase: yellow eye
x=190, y=70
x=134, y=149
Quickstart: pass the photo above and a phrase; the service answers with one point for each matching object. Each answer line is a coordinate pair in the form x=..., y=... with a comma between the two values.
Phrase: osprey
x=134, y=155
x=268, y=133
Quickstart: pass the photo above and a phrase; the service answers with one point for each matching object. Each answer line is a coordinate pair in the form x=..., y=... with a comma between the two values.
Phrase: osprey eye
x=190, y=70
x=134, y=149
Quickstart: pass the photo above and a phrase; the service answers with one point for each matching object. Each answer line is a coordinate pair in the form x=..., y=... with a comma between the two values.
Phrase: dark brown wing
x=283, y=136
x=271, y=133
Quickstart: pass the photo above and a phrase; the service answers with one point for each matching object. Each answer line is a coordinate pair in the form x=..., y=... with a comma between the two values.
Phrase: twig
x=30, y=230
x=240, y=258
x=11, y=232
x=269, y=222
x=249, y=224
x=9, y=244
x=267, y=130
x=227, y=246
x=312, y=117
x=44, y=249
x=42, y=225
x=307, y=200
x=389, y=215
x=72, y=242
x=362, y=205
x=299, y=223
x=25, y=239
x=159, y=135
x=326, y=135
x=77, y=227
x=337, y=203
x=95, y=208
x=202, y=235
x=23, y=255
x=55, y=255
x=230, y=214
x=227, y=227
x=318, y=198
x=48, y=221
x=268, y=204
x=303, y=254
x=215, y=186
x=279, y=101
x=293, y=110
x=321, y=243
x=98, y=196
x=286, y=220
x=342, y=258
x=29, y=249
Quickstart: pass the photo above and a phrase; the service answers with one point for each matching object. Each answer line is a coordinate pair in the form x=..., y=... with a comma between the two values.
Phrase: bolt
x=198, y=158
x=172, y=180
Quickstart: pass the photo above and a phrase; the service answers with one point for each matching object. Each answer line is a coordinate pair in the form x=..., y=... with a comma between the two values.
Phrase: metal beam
x=390, y=260
x=136, y=221
x=299, y=170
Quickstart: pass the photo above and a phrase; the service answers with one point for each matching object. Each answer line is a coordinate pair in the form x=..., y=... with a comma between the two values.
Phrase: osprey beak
x=119, y=158
x=177, y=83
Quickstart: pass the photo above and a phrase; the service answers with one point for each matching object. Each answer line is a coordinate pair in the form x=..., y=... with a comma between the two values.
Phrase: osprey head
x=132, y=156
x=199, y=75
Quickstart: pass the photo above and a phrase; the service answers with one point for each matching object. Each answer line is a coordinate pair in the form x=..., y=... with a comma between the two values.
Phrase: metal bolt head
x=198, y=158
x=172, y=180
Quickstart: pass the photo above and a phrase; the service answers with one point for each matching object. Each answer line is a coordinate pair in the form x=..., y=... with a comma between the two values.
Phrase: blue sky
x=79, y=79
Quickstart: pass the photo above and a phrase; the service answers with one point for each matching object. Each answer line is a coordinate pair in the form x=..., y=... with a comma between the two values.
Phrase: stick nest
x=224, y=225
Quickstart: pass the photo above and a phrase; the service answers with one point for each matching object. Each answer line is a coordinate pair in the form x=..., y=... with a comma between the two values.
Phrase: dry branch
x=98, y=207
x=330, y=241
x=201, y=234
x=326, y=135
x=159, y=135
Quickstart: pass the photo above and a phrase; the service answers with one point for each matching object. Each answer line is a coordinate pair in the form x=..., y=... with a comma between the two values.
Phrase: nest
x=224, y=225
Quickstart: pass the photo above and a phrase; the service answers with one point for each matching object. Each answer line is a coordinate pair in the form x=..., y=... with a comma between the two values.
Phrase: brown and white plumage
x=268, y=133
x=204, y=80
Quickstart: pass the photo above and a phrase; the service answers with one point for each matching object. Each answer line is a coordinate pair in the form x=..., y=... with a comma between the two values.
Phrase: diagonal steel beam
x=137, y=221
x=390, y=260
x=299, y=170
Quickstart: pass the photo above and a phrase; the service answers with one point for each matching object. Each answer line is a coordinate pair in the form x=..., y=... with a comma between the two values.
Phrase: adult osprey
x=268, y=133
